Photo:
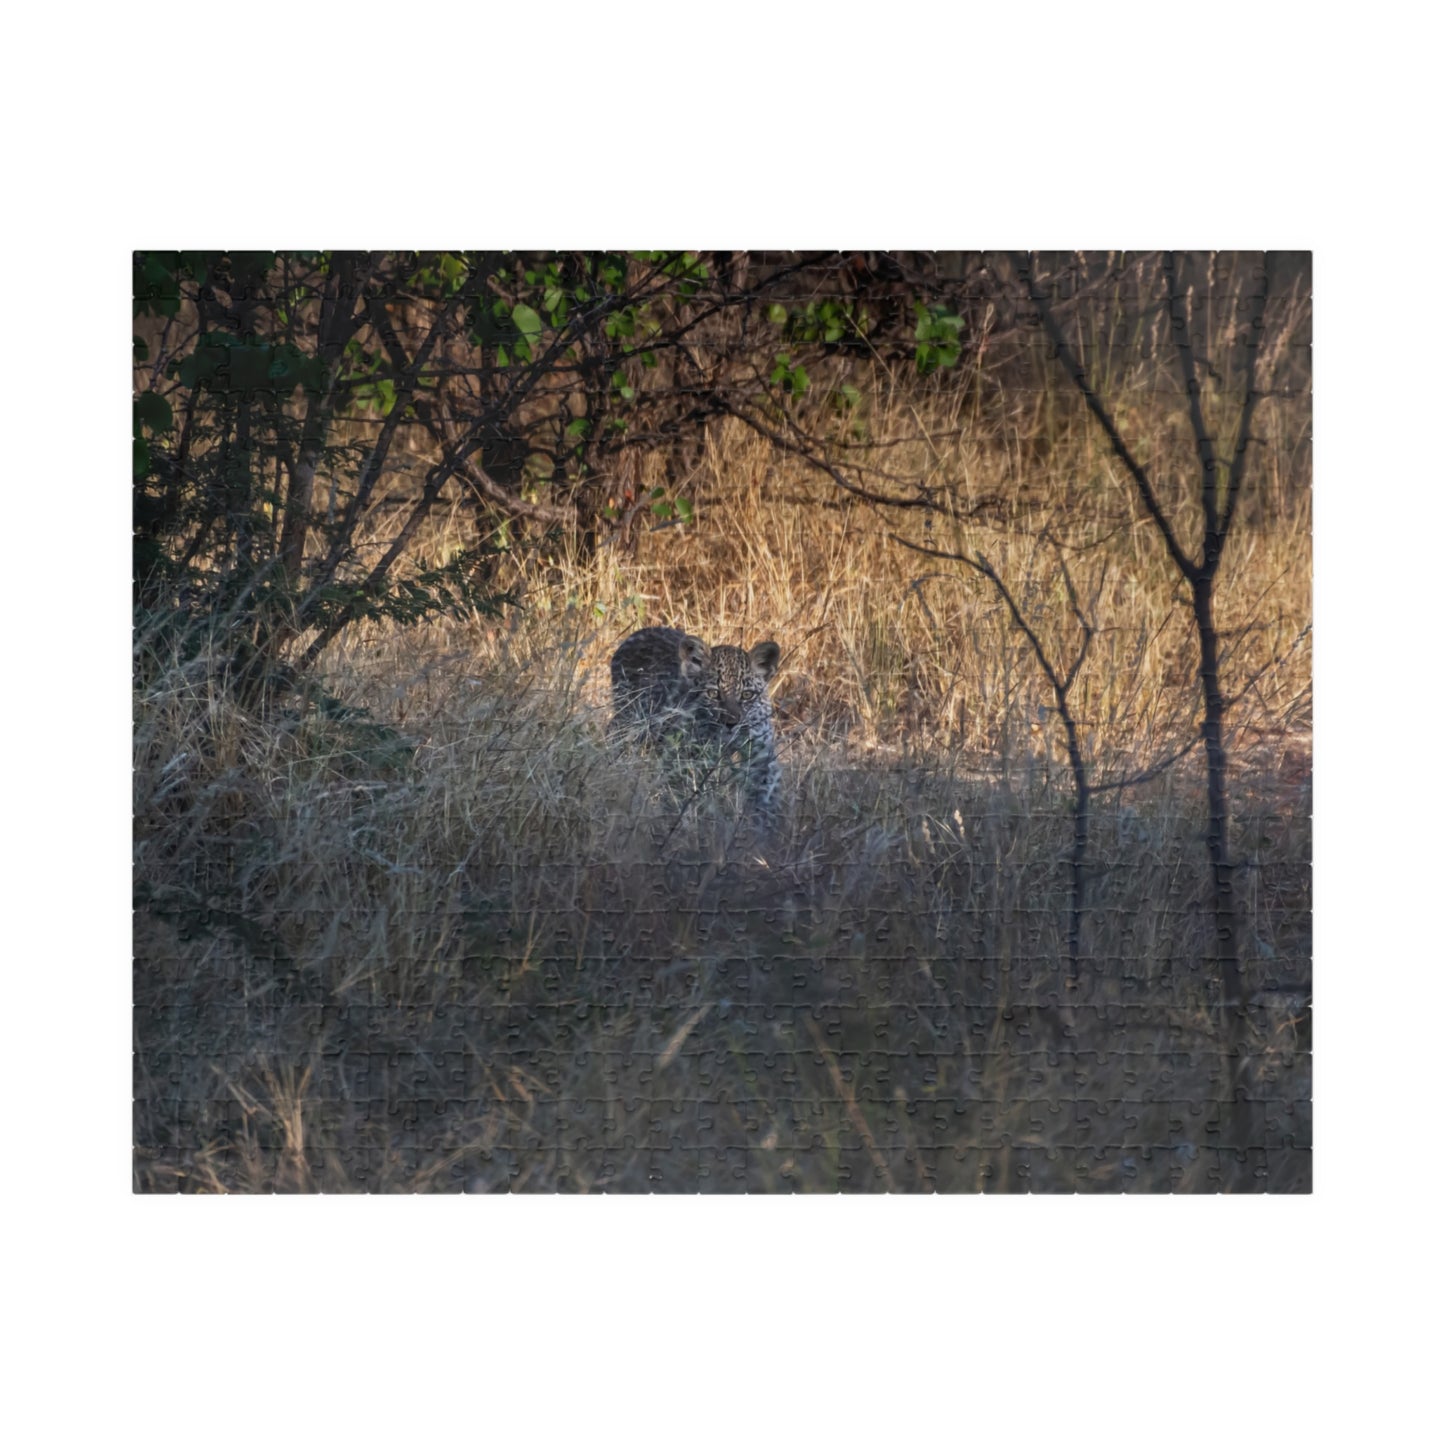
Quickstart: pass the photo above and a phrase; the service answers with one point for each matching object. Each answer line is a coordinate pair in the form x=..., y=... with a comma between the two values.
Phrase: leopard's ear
x=765, y=657
x=692, y=655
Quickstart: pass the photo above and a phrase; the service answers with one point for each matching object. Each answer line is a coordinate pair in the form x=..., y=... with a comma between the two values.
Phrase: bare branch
x=336, y=323
x=1187, y=568
x=1204, y=443
x=1085, y=625
x=1253, y=342
x=1149, y=773
x=798, y=449
x=406, y=383
x=439, y=426
x=1265, y=668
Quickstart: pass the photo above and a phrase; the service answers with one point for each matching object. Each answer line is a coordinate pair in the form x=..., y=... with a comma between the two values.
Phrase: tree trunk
x=1226, y=941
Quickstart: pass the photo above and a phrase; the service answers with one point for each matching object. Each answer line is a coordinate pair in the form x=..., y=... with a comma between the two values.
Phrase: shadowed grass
x=433, y=931
x=518, y=959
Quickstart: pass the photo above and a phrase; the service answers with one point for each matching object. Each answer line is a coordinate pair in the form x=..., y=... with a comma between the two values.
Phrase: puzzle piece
x=519, y=863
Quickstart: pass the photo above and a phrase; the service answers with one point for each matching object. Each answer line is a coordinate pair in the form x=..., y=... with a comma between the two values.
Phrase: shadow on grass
x=517, y=965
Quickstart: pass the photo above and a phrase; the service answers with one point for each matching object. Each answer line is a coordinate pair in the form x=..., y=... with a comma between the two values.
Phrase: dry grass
x=463, y=943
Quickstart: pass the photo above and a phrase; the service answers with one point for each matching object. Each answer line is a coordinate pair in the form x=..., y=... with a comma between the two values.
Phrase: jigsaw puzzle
x=722, y=721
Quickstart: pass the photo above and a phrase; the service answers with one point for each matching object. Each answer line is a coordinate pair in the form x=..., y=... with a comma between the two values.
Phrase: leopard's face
x=713, y=701
x=735, y=712
x=736, y=684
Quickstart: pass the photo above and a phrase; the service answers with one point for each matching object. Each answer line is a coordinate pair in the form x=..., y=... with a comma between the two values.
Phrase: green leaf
x=153, y=412
x=156, y=283
x=684, y=509
x=938, y=332
x=139, y=350
x=527, y=322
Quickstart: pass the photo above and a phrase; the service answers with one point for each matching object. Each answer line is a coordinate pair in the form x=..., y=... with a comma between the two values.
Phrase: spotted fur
x=736, y=713
x=712, y=700
x=657, y=681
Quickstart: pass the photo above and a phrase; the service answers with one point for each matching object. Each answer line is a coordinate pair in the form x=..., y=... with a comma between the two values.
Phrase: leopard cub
x=736, y=714
x=657, y=678
x=713, y=701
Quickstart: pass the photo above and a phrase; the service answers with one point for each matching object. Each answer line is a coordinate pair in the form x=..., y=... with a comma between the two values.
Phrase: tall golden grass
x=436, y=932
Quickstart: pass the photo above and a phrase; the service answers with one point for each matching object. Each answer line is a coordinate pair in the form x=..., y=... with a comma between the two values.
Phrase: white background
x=1034, y=125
